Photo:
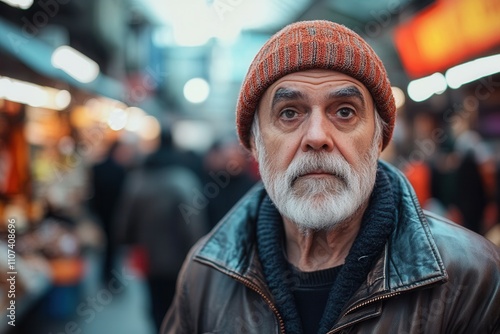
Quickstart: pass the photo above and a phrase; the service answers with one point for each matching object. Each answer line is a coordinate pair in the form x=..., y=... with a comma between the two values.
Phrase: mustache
x=318, y=163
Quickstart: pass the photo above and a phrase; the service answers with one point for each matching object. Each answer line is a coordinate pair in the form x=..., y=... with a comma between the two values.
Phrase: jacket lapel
x=410, y=259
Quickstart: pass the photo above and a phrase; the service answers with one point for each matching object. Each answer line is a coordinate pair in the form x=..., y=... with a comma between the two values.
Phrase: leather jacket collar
x=410, y=259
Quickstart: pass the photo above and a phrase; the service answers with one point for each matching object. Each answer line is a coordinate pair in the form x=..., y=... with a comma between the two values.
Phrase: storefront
x=52, y=129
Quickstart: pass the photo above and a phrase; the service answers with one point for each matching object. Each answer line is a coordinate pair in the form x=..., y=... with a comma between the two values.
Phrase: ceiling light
x=33, y=95
x=23, y=4
x=196, y=90
x=76, y=64
x=62, y=99
x=117, y=119
x=423, y=88
x=193, y=135
x=472, y=70
x=150, y=128
x=23, y=92
x=135, y=119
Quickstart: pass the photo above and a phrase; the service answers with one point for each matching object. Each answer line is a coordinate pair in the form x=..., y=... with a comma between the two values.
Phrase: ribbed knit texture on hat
x=314, y=45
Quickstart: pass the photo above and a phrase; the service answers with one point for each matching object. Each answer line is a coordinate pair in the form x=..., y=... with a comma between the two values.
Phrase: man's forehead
x=316, y=76
x=341, y=85
x=287, y=93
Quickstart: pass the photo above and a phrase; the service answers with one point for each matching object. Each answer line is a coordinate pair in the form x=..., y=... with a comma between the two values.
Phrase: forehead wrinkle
x=285, y=93
x=347, y=92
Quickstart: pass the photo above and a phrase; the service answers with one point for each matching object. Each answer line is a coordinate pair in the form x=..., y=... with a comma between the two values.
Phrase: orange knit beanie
x=314, y=45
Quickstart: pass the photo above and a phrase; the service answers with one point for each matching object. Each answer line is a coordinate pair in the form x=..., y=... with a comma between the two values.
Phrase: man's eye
x=288, y=114
x=345, y=113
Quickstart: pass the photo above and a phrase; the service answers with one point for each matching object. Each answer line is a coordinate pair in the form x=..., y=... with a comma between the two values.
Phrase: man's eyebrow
x=350, y=91
x=285, y=93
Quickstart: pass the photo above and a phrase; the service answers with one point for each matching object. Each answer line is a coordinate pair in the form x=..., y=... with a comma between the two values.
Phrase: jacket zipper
x=366, y=302
x=255, y=288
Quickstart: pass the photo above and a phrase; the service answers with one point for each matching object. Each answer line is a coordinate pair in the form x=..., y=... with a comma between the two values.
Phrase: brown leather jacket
x=433, y=277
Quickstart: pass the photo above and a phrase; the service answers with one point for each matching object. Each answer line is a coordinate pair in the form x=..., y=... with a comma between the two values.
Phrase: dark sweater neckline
x=316, y=278
x=377, y=224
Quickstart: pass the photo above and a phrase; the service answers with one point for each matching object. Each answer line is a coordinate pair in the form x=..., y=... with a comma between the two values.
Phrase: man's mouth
x=318, y=174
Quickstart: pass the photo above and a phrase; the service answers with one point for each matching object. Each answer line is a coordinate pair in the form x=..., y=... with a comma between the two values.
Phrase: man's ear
x=379, y=123
x=253, y=149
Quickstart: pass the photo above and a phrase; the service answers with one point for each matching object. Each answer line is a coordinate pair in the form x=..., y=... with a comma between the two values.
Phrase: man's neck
x=313, y=250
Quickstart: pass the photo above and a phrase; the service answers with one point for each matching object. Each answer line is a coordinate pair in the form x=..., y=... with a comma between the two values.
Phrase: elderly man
x=334, y=241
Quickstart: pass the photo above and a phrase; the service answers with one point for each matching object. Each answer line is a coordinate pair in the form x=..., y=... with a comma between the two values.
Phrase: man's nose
x=318, y=132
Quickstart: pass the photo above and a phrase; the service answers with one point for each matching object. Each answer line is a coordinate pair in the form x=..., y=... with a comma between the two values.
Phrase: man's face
x=316, y=150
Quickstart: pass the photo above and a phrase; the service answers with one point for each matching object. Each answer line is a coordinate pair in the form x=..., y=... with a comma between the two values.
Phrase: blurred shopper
x=493, y=232
x=151, y=215
x=227, y=167
x=334, y=241
x=470, y=197
x=107, y=178
x=418, y=171
x=472, y=176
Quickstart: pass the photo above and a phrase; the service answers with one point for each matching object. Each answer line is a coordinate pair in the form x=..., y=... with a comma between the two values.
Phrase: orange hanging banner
x=446, y=34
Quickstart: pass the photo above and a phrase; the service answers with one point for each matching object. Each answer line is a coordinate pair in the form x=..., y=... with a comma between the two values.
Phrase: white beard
x=318, y=203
